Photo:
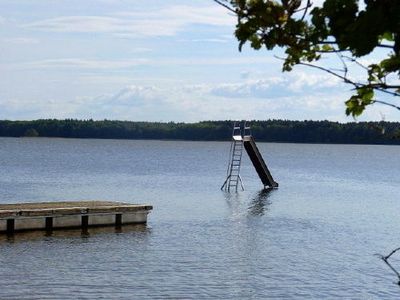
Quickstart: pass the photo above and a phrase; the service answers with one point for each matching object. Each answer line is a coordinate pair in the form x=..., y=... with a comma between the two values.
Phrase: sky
x=151, y=60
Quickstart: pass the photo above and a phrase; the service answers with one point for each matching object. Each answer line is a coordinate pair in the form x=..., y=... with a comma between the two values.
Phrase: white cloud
x=211, y=40
x=104, y=65
x=273, y=87
x=140, y=50
x=229, y=61
x=21, y=41
x=185, y=14
x=76, y=63
x=183, y=103
x=24, y=109
x=163, y=22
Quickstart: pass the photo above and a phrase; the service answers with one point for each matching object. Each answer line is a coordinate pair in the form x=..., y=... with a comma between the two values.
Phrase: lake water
x=313, y=238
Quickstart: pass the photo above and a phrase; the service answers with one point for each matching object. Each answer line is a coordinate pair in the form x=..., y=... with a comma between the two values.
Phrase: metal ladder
x=233, y=172
x=246, y=129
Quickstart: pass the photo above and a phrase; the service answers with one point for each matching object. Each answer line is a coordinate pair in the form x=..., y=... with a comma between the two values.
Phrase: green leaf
x=365, y=94
x=327, y=48
x=357, y=103
x=354, y=106
x=388, y=36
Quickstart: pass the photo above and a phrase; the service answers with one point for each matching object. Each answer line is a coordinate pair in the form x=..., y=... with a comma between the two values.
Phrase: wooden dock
x=71, y=214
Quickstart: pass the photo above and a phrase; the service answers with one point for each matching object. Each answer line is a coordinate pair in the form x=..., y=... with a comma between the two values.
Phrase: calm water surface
x=313, y=238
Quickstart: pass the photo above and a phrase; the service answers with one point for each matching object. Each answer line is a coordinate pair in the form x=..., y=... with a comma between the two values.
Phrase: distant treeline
x=268, y=131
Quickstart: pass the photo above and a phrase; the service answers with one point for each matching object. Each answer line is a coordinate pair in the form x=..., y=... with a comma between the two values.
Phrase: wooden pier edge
x=70, y=214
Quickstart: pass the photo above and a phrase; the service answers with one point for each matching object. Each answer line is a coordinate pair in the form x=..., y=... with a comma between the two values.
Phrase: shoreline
x=191, y=141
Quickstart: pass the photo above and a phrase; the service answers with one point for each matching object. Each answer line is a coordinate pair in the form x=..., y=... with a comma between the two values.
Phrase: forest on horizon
x=387, y=133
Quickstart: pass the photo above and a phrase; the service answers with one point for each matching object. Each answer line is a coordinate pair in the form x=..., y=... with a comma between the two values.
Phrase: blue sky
x=149, y=60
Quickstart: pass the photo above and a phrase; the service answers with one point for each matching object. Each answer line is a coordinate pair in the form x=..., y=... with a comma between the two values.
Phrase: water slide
x=258, y=161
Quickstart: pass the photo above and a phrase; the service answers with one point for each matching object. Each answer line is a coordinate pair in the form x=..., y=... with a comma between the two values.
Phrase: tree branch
x=378, y=86
x=385, y=46
x=356, y=62
x=308, y=5
x=386, y=260
x=388, y=104
x=342, y=77
x=345, y=68
x=225, y=5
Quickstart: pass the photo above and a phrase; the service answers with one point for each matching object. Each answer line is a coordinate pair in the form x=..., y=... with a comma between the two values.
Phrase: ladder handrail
x=246, y=127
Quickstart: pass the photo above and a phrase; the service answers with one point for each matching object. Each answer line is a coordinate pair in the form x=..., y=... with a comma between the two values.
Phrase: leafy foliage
x=345, y=29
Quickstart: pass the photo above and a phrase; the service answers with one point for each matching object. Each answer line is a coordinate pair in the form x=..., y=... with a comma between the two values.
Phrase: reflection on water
x=234, y=202
x=72, y=233
x=240, y=205
x=259, y=204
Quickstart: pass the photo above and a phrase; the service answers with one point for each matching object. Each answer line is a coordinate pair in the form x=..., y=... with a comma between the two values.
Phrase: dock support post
x=118, y=220
x=85, y=222
x=49, y=223
x=10, y=226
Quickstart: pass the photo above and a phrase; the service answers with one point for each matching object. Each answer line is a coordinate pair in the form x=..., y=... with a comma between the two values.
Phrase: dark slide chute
x=258, y=162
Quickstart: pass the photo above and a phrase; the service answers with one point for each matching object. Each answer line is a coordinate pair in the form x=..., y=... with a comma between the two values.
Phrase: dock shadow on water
x=242, y=205
x=84, y=233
